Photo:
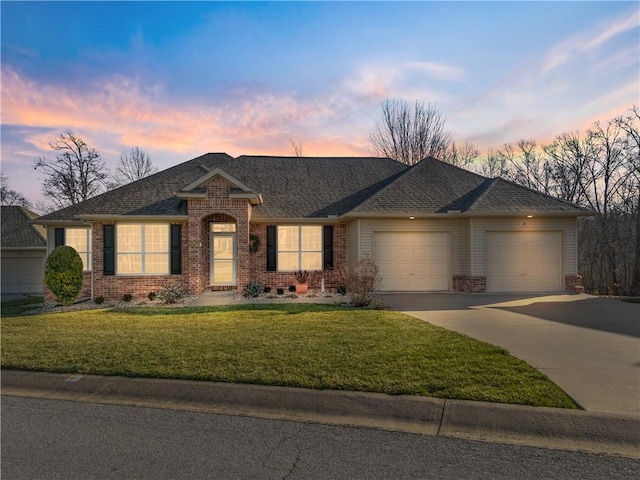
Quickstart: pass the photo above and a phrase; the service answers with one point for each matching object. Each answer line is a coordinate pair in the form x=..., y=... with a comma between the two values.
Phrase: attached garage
x=524, y=261
x=22, y=252
x=22, y=272
x=413, y=261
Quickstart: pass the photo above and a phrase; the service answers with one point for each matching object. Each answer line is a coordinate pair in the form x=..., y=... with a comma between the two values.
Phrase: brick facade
x=573, y=284
x=274, y=280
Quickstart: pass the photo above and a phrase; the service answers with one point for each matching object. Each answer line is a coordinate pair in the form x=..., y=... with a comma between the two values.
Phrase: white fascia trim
x=295, y=221
x=60, y=223
x=133, y=218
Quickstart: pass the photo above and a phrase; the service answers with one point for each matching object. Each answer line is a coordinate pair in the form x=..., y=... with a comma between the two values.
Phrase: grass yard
x=21, y=305
x=312, y=346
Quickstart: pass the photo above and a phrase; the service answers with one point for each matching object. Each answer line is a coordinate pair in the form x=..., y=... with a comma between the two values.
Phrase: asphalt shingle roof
x=17, y=231
x=303, y=187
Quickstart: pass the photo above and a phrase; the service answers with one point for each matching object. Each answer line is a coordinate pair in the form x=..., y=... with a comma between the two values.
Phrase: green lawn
x=21, y=305
x=312, y=346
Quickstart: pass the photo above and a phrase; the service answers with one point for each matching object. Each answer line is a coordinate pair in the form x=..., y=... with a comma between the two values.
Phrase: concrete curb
x=511, y=424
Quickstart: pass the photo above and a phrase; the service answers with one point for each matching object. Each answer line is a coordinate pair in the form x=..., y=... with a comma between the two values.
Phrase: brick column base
x=573, y=284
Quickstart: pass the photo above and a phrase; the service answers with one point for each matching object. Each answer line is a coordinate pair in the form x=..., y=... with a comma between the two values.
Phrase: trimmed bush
x=151, y=296
x=292, y=288
x=127, y=297
x=280, y=291
x=99, y=300
x=63, y=274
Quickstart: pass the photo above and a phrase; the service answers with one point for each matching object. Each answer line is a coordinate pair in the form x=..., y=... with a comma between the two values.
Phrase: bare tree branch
x=76, y=174
x=133, y=165
x=410, y=134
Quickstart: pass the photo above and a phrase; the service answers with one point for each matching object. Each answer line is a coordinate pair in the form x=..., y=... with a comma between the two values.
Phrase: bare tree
x=133, y=165
x=494, y=165
x=461, y=155
x=410, y=134
x=297, y=148
x=76, y=174
x=600, y=170
x=9, y=197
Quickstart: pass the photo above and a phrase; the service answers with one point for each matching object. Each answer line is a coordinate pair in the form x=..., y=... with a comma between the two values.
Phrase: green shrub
x=63, y=274
x=253, y=289
x=280, y=291
x=127, y=297
x=292, y=288
x=341, y=290
x=151, y=296
x=99, y=300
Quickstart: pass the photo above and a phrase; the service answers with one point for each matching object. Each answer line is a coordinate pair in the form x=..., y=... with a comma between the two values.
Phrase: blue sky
x=182, y=79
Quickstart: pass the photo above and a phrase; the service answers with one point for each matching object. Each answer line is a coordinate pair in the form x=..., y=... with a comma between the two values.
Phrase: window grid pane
x=223, y=227
x=129, y=238
x=288, y=239
x=80, y=240
x=156, y=238
x=299, y=248
x=142, y=249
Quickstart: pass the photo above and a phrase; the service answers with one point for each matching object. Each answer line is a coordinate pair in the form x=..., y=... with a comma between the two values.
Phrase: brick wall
x=573, y=284
x=115, y=286
x=216, y=207
x=258, y=262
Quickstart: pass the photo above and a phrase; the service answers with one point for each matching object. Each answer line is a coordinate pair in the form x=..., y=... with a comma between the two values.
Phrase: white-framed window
x=299, y=247
x=142, y=249
x=80, y=240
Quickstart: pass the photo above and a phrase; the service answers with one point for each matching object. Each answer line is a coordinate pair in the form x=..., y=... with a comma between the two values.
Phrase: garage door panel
x=524, y=261
x=22, y=275
x=413, y=261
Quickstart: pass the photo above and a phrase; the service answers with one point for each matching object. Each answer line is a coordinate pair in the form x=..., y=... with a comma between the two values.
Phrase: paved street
x=587, y=345
x=50, y=439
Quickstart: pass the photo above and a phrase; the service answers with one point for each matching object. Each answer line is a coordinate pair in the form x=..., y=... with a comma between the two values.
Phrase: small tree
x=361, y=281
x=63, y=274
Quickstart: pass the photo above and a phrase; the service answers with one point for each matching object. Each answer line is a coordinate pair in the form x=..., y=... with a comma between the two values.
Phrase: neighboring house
x=22, y=253
x=429, y=227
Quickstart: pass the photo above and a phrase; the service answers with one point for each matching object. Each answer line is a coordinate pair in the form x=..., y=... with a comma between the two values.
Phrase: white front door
x=223, y=256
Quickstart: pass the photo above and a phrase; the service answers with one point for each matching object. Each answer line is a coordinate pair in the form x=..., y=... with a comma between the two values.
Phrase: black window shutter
x=59, y=234
x=176, y=249
x=271, y=248
x=108, y=250
x=327, y=247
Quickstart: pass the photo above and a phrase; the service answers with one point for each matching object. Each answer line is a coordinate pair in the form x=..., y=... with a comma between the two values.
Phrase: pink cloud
x=122, y=109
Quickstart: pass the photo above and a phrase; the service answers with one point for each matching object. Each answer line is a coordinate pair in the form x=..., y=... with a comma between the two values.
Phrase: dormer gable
x=238, y=190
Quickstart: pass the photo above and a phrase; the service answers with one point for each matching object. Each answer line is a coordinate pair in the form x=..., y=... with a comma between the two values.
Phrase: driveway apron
x=588, y=346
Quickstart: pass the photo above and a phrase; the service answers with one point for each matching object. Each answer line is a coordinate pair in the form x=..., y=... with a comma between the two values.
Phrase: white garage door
x=413, y=261
x=524, y=262
x=23, y=274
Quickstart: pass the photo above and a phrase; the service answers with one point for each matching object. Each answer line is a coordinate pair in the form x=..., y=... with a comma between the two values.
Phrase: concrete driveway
x=589, y=346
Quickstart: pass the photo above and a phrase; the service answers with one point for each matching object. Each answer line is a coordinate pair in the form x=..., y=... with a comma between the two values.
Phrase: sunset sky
x=182, y=79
